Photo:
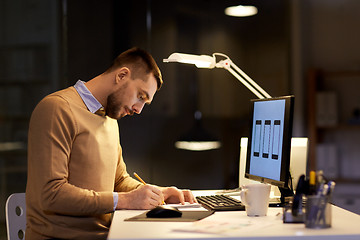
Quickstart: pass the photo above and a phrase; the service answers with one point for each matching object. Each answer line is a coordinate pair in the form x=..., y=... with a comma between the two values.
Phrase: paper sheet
x=225, y=228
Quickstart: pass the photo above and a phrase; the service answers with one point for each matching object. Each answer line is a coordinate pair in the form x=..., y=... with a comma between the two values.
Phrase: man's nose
x=138, y=107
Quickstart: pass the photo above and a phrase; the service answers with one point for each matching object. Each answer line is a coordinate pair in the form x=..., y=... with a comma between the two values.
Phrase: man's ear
x=122, y=74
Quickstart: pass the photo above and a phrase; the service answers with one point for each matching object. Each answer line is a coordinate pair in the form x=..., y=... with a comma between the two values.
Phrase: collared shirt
x=90, y=101
x=93, y=105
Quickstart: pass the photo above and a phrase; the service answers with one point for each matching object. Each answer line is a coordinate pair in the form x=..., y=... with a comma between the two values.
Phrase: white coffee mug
x=255, y=197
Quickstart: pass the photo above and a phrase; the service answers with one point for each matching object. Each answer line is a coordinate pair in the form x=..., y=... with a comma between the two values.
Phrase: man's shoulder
x=65, y=95
x=58, y=100
x=53, y=108
x=69, y=94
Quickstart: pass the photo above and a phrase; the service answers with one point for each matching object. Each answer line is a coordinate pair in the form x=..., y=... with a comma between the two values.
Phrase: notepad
x=185, y=206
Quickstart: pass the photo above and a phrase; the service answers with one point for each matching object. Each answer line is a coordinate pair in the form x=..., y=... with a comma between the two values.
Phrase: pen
x=331, y=186
x=320, y=177
x=143, y=182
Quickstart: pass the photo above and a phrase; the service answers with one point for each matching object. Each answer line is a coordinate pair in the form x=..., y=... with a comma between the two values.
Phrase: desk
x=345, y=225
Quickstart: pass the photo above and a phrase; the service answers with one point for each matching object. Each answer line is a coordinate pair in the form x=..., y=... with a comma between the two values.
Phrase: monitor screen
x=268, y=154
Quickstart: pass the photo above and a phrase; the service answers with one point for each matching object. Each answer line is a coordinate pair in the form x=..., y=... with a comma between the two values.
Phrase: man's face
x=131, y=96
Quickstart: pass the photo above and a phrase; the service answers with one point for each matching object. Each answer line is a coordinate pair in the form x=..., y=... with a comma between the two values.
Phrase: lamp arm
x=248, y=79
x=245, y=83
x=241, y=76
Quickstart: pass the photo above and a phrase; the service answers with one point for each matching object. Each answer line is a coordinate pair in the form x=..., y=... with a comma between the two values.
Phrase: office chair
x=15, y=211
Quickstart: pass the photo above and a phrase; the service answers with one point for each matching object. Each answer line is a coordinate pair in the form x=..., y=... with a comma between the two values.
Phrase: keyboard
x=220, y=203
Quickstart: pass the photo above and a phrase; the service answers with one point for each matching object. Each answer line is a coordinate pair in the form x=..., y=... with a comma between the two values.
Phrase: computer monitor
x=268, y=153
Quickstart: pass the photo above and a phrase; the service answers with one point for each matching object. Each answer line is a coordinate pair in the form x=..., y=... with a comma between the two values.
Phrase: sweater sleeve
x=123, y=181
x=51, y=133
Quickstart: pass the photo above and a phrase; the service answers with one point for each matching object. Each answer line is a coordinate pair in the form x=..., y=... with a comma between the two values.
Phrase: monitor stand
x=284, y=197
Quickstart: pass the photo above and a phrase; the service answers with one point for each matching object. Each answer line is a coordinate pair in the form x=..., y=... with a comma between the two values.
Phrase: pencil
x=140, y=179
x=143, y=182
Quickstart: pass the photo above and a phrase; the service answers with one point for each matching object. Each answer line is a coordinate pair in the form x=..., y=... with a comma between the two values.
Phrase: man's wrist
x=123, y=201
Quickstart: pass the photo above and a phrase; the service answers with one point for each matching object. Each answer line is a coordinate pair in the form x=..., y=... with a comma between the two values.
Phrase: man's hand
x=144, y=197
x=174, y=195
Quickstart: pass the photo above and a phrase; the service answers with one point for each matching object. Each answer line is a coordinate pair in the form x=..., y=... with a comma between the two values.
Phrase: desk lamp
x=205, y=61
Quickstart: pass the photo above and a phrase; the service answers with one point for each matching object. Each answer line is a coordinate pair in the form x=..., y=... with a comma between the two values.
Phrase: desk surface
x=345, y=225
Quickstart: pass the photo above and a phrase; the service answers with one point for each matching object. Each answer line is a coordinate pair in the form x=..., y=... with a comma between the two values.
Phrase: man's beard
x=113, y=106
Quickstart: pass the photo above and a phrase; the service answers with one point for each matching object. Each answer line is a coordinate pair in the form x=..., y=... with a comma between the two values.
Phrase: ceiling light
x=197, y=139
x=241, y=11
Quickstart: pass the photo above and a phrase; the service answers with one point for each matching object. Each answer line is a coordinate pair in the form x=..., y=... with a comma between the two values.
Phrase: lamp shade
x=200, y=61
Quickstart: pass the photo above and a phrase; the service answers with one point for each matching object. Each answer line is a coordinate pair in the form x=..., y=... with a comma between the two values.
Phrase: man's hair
x=140, y=63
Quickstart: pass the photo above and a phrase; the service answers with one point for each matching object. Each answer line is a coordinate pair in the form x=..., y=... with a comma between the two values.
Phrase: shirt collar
x=90, y=101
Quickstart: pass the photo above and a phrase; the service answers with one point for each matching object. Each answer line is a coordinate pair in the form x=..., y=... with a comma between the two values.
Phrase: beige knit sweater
x=74, y=165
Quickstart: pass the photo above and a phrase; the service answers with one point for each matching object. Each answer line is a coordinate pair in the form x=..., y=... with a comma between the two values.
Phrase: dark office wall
x=96, y=33
x=88, y=31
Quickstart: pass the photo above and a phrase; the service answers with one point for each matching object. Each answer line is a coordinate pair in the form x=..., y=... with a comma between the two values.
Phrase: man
x=76, y=173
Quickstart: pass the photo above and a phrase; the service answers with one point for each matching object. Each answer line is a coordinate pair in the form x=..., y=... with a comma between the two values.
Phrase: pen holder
x=318, y=212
